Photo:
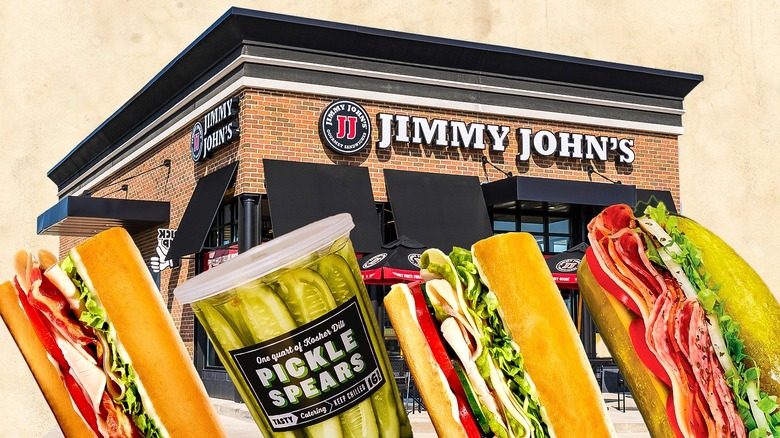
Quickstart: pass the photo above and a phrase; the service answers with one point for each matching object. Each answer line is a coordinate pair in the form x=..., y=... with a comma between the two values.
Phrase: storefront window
x=551, y=223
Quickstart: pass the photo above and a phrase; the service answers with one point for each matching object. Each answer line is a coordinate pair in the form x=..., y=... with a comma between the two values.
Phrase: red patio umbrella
x=396, y=262
x=563, y=266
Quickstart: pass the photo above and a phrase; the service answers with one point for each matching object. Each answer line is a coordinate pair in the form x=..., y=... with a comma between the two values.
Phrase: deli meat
x=676, y=329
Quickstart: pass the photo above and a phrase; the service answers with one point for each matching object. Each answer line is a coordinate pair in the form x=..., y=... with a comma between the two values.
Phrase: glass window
x=559, y=244
x=532, y=224
x=551, y=223
x=504, y=222
x=559, y=225
x=540, y=241
x=224, y=230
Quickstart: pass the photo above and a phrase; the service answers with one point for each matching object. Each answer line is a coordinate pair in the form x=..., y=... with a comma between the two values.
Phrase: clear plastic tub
x=292, y=323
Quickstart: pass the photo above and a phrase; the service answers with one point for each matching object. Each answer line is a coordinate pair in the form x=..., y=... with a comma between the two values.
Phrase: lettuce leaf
x=95, y=316
x=497, y=343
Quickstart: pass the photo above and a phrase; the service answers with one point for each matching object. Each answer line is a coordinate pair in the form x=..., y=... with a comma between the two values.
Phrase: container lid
x=265, y=259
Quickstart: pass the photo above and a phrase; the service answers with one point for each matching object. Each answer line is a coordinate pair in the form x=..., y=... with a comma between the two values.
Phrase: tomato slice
x=431, y=331
x=41, y=330
x=670, y=413
x=636, y=331
x=81, y=402
x=608, y=284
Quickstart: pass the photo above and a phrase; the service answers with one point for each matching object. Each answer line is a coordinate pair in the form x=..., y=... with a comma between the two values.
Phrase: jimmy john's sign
x=217, y=128
x=413, y=130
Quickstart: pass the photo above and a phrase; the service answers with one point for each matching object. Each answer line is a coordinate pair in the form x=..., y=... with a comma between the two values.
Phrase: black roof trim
x=239, y=27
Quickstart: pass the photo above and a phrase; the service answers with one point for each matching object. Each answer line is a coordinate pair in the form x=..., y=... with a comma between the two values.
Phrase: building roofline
x=239, y=27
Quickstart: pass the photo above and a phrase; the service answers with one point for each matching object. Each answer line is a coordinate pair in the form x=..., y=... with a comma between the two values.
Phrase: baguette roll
x=437, y=396
x=71, y=424
x=100, y=326
x=504, y=326
x=537, y=318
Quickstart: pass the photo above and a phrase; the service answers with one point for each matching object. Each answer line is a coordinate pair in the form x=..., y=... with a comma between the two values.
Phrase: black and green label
x=314, y=372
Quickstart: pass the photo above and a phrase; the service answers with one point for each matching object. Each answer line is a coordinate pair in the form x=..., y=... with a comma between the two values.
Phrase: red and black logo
x=345, y=127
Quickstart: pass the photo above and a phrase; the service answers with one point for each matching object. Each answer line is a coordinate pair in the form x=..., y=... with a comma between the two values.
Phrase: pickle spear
x=307, y=296
x=340, y=278
x=263, y=312
x=228, y=340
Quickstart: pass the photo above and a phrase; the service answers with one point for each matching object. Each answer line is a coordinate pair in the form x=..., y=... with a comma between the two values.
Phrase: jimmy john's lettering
x=570, y=145
x=217, y=128
x=437, y=132
x=404, y=129
x=314, y=372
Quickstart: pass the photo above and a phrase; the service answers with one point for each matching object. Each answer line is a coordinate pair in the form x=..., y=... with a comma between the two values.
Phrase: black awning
x=526, y=188
x=440, y=211
x=665, y=196
x=86, y=216
x=301, y=193
x=201, y=211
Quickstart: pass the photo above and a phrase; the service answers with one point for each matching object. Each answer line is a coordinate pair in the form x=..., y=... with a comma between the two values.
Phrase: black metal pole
x=248, y=235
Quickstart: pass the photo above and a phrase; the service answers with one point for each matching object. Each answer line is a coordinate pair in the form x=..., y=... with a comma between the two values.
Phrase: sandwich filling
x=693, y=346
x=470, y=321
x=82, y=345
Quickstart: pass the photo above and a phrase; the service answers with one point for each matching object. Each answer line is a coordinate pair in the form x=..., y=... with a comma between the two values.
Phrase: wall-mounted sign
x=216, y=129
x=395, y=128
x=164, y=238
x=345, y=127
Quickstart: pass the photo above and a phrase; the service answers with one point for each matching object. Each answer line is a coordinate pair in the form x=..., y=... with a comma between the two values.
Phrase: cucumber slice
x=306, y=294
x=359, y=421
x=471, y=398
x=263, y=312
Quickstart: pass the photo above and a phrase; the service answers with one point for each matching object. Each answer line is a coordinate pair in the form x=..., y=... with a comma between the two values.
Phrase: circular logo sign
x=414, y=258
x=196, y=142
x=374, y=260
x=568, y=265
x=345, y=127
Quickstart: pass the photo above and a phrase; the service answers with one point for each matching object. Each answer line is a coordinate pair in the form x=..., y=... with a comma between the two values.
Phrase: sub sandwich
x=100, y=343
x=492, y=348
x=692, y=327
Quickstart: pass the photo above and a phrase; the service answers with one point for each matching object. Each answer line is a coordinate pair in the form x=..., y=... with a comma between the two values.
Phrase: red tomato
x=41, y=330
x=670, y=413
x=637, y=330
x=606, y=282
x=81, y=402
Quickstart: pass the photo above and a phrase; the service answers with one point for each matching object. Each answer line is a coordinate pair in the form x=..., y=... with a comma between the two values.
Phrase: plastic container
x=292, y=323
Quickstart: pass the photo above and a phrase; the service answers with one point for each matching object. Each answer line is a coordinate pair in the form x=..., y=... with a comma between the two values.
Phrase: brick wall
x=284, y=126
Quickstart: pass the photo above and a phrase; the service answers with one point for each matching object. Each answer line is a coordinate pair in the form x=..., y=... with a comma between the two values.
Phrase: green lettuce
x=95, y=316
x=689, y=257
x=498, y=345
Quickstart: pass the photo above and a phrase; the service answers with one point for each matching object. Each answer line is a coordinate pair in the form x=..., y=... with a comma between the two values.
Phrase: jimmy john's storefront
x=269, y=122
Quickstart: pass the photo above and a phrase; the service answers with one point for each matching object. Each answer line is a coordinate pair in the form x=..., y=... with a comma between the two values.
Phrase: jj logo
x=347, y=127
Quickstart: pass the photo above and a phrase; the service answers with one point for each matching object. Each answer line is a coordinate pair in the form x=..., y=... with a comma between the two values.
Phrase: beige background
x=66, y=66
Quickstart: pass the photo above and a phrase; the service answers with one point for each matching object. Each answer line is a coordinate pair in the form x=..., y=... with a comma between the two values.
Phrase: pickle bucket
x=292, y=323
